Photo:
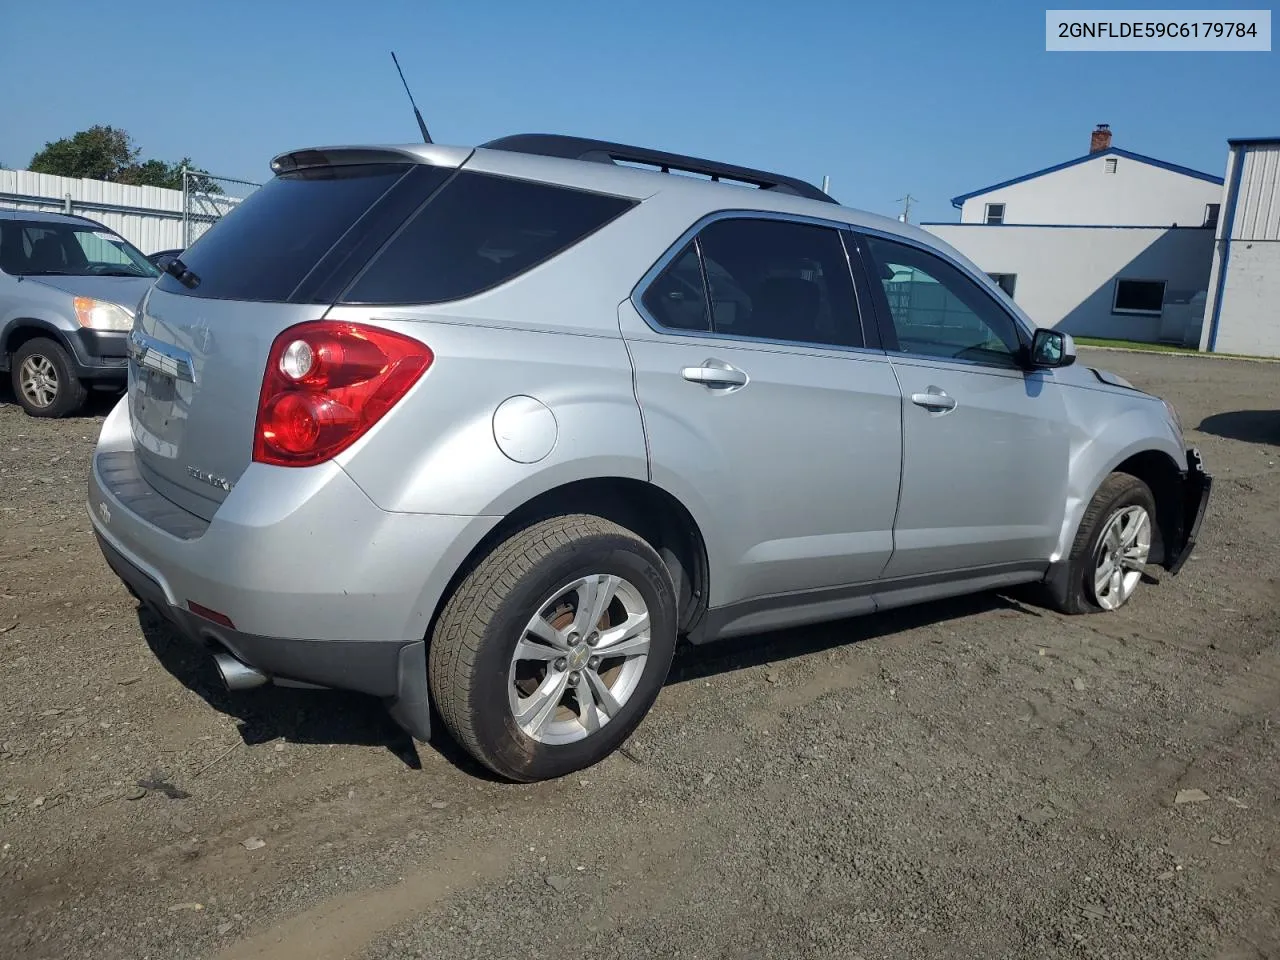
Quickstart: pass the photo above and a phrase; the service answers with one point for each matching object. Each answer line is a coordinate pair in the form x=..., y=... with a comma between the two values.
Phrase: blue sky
x=934, y=99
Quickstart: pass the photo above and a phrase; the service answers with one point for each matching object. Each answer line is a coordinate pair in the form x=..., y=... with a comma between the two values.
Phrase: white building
x=1244, y=302
x=1111, y=244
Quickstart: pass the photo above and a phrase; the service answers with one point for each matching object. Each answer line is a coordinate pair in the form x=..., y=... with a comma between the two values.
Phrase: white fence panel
x=151, y=218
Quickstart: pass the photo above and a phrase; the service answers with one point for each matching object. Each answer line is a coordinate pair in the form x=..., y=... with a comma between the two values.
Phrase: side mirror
x=1052, y=348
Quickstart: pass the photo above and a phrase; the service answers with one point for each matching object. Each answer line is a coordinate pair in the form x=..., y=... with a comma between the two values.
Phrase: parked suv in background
x=493, y=427
x=68, y=290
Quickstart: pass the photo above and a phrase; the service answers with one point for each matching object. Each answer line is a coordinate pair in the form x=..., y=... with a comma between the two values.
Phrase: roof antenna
x=426, y=137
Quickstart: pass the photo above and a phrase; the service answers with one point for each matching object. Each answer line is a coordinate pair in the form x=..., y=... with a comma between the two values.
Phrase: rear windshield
x=266, y=246
x=387, y=233
x=479, y=231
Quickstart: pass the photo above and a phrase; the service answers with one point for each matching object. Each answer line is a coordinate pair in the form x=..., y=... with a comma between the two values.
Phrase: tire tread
x=1114, y=487
x=461, y=628
x=72, y=394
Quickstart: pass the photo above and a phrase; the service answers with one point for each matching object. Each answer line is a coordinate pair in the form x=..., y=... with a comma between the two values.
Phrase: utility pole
x=906, y=207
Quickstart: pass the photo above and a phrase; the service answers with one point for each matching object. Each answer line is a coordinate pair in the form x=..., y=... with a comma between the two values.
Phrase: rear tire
x=532, y=686
x=43, y=381
x=1111, y=549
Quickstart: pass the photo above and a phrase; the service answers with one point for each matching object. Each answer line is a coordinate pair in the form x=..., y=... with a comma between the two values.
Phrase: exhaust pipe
x=237, y=675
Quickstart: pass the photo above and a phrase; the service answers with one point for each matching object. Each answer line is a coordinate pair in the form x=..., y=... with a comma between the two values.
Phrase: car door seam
x=902, y=465
x=635, y=392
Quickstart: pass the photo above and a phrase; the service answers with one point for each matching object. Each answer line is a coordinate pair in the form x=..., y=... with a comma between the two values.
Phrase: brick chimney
x=1101, y=138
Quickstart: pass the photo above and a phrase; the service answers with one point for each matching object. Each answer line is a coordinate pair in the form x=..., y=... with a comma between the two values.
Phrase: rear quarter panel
x=436, y=451
x=550, y=333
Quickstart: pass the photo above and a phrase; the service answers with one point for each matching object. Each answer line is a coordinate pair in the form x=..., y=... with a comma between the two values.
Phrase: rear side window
x=477, y=232
x=780, y=280
x=677, y=297
x=263, y=249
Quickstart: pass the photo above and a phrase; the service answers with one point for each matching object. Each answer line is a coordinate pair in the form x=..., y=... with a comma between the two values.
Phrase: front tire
x=1111, y=549
x=551, y=651
x=43, y=381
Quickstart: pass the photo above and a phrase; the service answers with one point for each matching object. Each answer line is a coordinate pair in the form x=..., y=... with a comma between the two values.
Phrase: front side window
x=937, y=311
x=36, y=248
x=1139, y=296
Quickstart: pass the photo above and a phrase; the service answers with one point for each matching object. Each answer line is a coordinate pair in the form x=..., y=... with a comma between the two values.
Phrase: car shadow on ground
x=745, y=653
x=273, y=712
x=335, y=717
x=1249, y=426
x=98, y=404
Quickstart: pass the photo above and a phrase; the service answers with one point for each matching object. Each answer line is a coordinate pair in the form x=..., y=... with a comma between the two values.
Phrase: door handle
x=934, y=400
x=712, y=373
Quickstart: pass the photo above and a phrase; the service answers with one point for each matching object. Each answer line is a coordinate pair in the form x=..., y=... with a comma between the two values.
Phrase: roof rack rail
x=602, y=151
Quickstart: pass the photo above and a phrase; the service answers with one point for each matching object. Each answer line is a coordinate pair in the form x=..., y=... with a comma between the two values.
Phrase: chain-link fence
x=207, y=198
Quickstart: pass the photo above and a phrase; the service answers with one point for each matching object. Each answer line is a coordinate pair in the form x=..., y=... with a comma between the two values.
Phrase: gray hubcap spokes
x=39, y=379
x=579, y=659
x=1122, y=553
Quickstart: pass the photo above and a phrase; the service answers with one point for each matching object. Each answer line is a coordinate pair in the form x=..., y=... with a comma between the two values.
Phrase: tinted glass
x=477, y=232
x=677, y=298
x=937, y=311
x=1139, y=296
x=46, y=248
x=779, y=280
x=264, y=248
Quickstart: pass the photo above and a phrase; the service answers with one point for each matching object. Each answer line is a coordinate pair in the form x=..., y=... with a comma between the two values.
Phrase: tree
x=99, y=153
x=108, y=153
x=153, y=173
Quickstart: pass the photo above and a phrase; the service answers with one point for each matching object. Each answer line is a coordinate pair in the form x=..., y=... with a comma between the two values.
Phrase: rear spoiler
x=342, y=156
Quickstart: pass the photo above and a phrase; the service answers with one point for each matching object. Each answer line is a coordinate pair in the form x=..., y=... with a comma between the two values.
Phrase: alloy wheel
x=579, y=659
x=1122, y=554
x=39, y=380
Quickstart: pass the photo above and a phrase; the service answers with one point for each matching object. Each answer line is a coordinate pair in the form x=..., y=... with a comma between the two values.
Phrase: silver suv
x=69, y=287
x=487, y=430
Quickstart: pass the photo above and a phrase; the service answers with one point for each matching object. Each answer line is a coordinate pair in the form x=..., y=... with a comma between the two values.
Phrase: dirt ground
x=977, y=779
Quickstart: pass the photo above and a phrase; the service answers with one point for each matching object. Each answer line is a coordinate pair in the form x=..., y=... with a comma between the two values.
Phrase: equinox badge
x=210, y=478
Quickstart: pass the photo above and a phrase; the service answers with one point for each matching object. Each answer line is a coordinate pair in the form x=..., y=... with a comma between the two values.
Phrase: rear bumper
x=1197, y=485
x=320, y=585
x=394, y=670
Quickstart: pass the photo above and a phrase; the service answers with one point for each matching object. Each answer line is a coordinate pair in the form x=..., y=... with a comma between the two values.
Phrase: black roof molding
x=602, y=151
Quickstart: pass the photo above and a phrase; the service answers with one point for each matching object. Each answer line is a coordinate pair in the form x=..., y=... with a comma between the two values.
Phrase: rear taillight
x=326, y=383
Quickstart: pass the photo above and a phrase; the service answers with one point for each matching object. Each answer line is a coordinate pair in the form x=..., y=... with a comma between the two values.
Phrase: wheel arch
x=1160, y=472
x=649, y=511
x=22, y=330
